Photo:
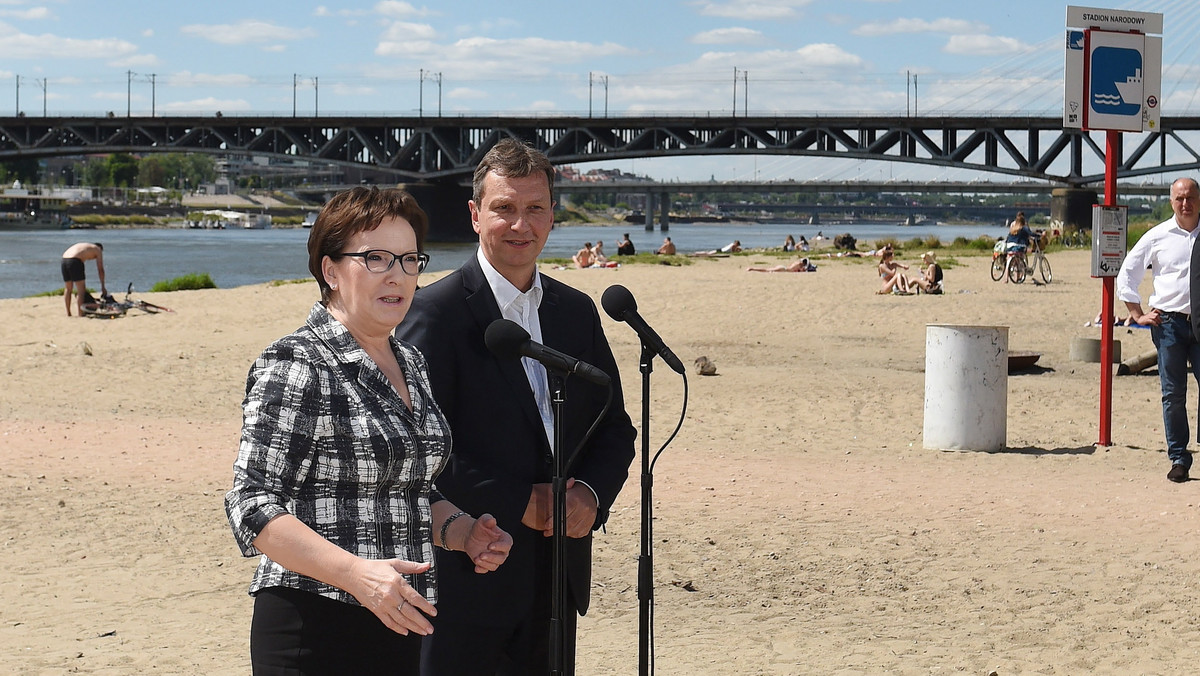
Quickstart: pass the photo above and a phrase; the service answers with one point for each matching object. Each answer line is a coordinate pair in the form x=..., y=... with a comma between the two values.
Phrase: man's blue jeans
x=1176, y=347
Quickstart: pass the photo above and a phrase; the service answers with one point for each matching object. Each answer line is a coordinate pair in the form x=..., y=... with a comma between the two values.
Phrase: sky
x=616, y=57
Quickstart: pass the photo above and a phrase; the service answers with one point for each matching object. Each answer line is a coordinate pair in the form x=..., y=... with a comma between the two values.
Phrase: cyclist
x=1018, y=241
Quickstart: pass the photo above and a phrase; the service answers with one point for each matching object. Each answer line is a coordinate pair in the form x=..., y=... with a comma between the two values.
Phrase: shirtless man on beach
x=73, y=274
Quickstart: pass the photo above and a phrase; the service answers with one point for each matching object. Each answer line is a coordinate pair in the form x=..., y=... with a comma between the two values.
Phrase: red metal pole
x=1106, y=331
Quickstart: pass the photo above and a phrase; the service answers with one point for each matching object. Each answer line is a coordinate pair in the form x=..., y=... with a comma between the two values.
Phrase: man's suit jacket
x=499, y=446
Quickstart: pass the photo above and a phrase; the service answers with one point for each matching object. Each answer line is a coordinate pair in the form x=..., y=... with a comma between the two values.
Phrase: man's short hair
x=511, y=158
x=99, y=245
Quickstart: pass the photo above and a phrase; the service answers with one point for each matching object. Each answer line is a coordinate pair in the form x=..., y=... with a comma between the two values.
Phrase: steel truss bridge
x=446, y=149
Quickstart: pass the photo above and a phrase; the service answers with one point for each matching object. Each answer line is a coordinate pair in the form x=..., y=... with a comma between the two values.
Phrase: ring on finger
x=401, y=606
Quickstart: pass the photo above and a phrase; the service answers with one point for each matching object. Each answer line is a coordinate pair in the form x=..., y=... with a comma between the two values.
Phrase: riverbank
x=800, y=527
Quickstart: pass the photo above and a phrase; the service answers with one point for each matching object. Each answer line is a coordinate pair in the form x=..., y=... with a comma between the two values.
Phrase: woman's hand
x=381, y=588
x=487, y=544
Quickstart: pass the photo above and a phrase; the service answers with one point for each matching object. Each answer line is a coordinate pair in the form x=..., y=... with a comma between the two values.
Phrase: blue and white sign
x=1113, y=70
x=1116, y=81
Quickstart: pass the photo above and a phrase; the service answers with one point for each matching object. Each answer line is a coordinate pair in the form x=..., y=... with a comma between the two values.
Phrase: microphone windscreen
x=616, y=301
x=505, y=338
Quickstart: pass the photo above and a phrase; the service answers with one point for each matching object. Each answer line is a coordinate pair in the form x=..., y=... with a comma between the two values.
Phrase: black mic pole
x=558, y=587
x=646, y=560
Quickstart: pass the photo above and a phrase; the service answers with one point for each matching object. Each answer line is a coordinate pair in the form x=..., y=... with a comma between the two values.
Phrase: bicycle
x=1040, y=263
x=108, y=307
x=1007, y=262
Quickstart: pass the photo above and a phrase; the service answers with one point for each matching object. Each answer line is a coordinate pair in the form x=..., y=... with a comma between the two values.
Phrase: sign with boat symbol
x=1113, y=70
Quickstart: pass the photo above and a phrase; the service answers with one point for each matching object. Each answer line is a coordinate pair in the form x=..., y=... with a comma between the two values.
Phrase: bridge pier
x=664, y=212
x=446, y=206
x=1071, y=208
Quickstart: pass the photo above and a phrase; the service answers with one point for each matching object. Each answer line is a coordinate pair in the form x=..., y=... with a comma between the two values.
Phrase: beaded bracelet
x=446, y=526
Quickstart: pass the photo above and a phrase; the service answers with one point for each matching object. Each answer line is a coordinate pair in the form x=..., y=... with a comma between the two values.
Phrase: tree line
x=180, y=171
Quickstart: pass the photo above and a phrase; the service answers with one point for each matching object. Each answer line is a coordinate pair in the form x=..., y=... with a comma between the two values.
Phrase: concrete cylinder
x=966, y=387
x=1088, y=349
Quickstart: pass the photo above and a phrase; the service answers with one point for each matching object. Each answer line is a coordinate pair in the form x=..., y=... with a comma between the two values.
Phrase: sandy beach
x=800, y=525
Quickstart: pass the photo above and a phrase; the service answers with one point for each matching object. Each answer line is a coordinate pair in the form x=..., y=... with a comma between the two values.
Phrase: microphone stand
x=646, y=559
x=558, y=587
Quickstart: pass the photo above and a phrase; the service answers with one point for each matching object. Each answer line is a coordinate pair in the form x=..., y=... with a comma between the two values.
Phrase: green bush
x=982, y=243
x=189, y=282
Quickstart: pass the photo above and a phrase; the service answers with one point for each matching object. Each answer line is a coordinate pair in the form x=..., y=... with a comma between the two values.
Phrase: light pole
x=43, y=82
x=735, y=72
x=439, y=81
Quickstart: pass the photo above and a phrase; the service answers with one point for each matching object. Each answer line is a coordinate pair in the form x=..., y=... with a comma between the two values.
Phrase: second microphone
x=506, y=339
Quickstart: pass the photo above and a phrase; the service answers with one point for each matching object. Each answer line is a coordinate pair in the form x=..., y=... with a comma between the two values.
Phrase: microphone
x=506, y=339
x=620, y=305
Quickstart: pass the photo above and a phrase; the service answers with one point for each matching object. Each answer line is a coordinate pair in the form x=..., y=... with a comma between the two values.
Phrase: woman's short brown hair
x=359, y=210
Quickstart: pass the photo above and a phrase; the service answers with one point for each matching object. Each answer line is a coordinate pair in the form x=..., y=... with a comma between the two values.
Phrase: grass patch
x=189, y=282
x=285, y=282
x=95, y=220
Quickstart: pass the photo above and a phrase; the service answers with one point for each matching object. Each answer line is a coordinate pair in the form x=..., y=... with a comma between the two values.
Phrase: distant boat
x=310, y=219
x=33, y=209
x=219, y=219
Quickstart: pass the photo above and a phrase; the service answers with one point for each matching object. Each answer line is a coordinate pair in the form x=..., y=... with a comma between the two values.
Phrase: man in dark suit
x=502, y=424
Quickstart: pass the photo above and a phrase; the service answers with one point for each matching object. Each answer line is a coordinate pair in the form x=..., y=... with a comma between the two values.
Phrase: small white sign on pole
x=1113, y=70
x=1109, y=226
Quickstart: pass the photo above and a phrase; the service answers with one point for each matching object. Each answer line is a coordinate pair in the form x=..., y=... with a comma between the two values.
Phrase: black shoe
x=1178, y=474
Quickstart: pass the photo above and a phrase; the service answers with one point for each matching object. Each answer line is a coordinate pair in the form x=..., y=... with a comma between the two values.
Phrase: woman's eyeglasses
x=382, y=260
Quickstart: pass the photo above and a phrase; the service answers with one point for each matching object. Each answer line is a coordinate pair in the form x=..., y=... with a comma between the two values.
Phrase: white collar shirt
x=1166, y=249
x=522, y=308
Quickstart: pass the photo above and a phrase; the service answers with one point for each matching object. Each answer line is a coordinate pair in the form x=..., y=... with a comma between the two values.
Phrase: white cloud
x=322, y=10
x=985, y=45
x=188, y=79
x=247, y=31
x=509, y=59
x=31, y=14
x=207, y=106
x=148, y=33
x=826, y=55
x=466, y=94
x=403, y=30
x=727, y=36
x=395, y=8
x=500, y=25
x=751, y=10
x=135, y=61
x=16, y=45
x=903, y=26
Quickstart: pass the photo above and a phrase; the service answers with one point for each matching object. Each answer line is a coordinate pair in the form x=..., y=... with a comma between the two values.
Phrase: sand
x=800, y=526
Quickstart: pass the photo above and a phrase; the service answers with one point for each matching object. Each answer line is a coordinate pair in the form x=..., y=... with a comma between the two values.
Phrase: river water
x=29, y=260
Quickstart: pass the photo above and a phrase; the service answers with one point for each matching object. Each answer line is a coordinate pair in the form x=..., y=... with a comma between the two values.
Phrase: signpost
x=1113, y=82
